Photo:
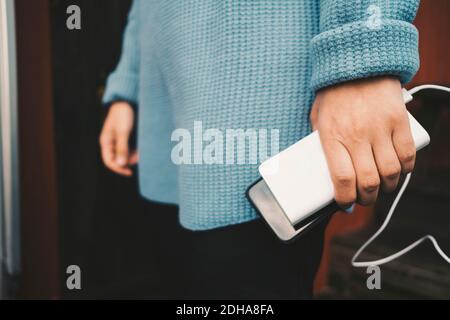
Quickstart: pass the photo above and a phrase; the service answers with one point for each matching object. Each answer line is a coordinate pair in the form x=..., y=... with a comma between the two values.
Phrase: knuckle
x=396, y=115
x=391, y=172
x=345, y=180
x=359, y=129
x=354, y=133
x=370, y=183
x=408, y=156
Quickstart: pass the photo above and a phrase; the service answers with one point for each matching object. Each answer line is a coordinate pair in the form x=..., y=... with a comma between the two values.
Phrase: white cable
x=400, y=253
x=384, y=225
x=428, y=86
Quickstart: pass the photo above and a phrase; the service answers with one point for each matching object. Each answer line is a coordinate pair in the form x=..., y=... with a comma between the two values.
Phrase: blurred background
x=61, y=207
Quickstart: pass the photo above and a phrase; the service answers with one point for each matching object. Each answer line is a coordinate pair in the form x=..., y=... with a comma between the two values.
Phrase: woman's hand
x=365, y=134
x=114, y=139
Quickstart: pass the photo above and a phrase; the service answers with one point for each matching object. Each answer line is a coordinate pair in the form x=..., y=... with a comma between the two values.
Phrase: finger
x=112, y=165
x=387, y=162
x=404, y=146
x=107, y=147
x=367, y=177
x=121, y=148
x=123, y=171
x=134, y=158
x=341, y=171
x=107, y=152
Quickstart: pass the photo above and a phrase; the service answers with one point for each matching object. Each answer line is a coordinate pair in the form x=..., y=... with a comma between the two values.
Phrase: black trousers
x=244, y=261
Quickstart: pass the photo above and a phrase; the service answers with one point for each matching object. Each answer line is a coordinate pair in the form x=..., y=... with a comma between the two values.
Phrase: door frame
x=9, y=159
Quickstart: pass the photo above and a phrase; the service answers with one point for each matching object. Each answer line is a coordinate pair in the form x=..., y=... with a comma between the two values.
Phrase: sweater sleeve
x=364, y=38
x=123, y=82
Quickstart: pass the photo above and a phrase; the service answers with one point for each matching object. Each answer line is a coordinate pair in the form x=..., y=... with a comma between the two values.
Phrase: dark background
x=103, y=224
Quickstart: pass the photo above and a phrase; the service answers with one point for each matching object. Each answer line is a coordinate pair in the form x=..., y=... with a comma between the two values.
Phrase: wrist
x=120, y=105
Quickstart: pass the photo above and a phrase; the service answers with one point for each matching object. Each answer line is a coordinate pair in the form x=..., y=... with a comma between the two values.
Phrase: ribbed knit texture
x=240, y=64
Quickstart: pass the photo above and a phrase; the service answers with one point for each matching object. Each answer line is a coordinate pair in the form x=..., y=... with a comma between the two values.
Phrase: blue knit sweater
x=240, y=64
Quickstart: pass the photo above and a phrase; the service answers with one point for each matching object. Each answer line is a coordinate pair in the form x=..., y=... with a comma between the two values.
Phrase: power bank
x=296, y=190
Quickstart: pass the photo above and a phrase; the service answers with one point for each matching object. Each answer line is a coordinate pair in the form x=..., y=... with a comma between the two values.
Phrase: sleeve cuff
x=356, y=51
x=121, y=88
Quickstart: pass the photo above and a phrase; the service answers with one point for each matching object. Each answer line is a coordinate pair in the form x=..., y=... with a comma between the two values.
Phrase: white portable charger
x=296, y=190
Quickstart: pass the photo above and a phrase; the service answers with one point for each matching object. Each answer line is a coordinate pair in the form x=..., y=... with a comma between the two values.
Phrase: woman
x=332, y=65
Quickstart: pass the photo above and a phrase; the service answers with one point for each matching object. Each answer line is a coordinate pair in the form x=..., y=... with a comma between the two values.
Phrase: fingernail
x=121, y=161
